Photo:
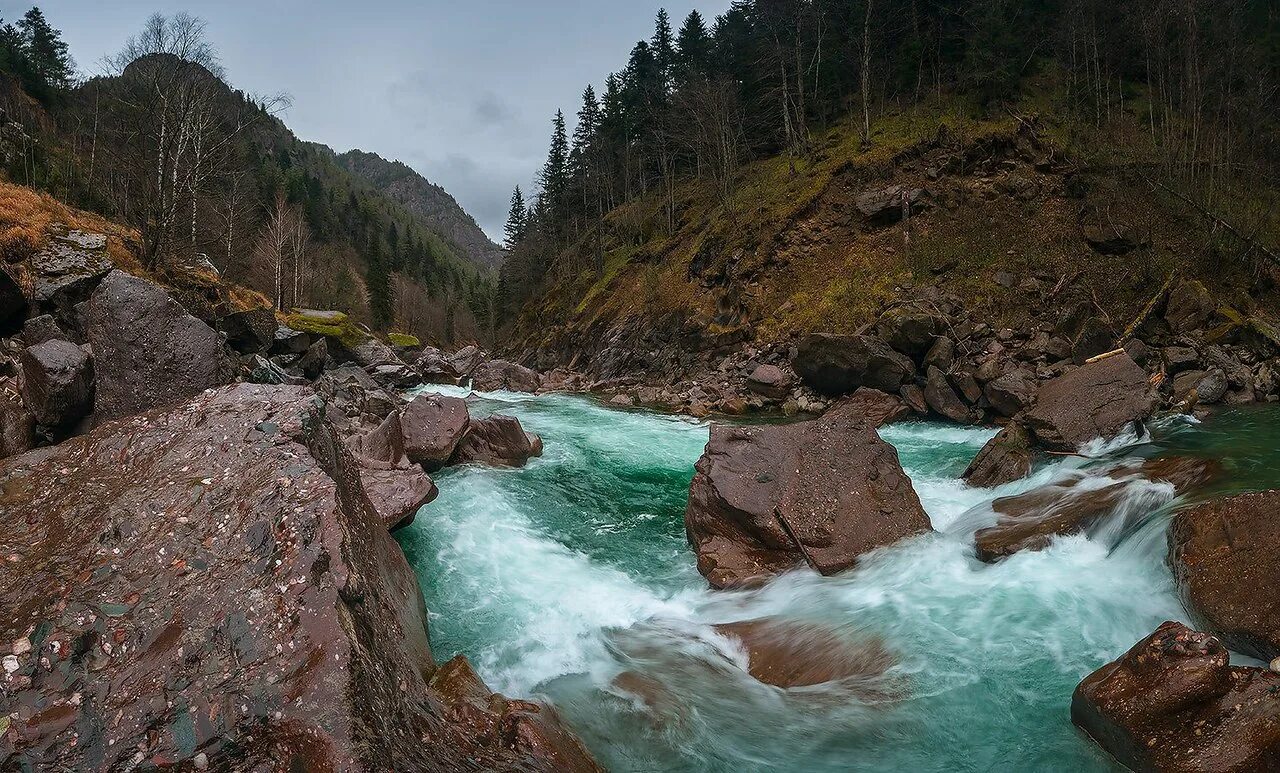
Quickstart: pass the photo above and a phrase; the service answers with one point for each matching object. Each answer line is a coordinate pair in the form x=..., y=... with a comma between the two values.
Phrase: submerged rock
x=148, y=351
x=1101, y=400
x=1175, y=704
x=209, y=586
x=794, y=654
x=1223, y=556
x=766, y=499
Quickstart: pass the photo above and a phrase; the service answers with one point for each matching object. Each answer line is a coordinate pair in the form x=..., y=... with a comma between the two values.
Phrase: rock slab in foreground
x=766, y=499
x=1100, y=400
x=1223, y=556
x=1175, y=704
x=212, y=581
x=148, y=351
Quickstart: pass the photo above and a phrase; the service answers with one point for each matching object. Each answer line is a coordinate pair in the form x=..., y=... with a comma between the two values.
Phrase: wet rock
x=770, y=381
x=796, y=654
x=1175, y=704
x=435, y=367
x=872, y=406
x=466, y=360
x=254, y=609
x=397, y=489
x=57, y=383
x=942, y=398
x=1012, y=393
x=395, y=376
x=494, y=375
x=433, y=427
x=835, y=365
x=1005, y=458
x=148, y=352
x=1212, y=388
x=622, y=401
x=38, y=330
x=250, y=332
x=498, y=441
x=908, y=331
x=1100, y=400
x=766, y=499
x=1223, y=557
x=17, y=423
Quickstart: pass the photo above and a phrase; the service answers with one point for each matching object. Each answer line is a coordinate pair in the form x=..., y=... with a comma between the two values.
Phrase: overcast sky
x=463, y=91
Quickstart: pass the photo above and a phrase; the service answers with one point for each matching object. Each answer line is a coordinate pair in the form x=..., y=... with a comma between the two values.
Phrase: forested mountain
x=432, y=204
x=162, y=143
x=717, y=138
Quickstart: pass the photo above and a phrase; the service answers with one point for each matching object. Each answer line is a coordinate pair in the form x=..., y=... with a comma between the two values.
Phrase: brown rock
x=250, y=332
x=768, y=498
x=499, y=441
x=908, y=331
x=1012, y=393
x=913, y=396
x=57, y=383
x=942, y=398
x=1100, y=400
x=1190, y=307
x=433, y=427
x=769, y=381
x=836, y=365
x=17, y=424
x=1005, y=458
x=1223, y=557
x=148, y=352
x=396, y=488
x=254, y=611
x=873, y=406
x=1175, y=704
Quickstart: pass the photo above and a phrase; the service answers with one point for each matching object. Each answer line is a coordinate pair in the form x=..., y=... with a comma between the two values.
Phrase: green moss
x=404, y=340
x=330, y=324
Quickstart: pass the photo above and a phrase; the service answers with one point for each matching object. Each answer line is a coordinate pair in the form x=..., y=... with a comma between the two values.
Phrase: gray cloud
x=463, y=92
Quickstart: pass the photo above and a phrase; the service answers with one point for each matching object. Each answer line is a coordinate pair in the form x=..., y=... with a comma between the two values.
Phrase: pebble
x=1275, y=666
x=201, y=761
x=22, y=646
x=11, y=664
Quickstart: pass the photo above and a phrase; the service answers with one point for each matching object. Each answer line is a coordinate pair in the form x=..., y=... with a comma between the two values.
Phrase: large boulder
x=466, y=360
x=435, y=368
x=148, y=352
x=37, y=330
x=1175, y=704
x=1012, y=393
x=1223, y=557
x=1099, y=400
x=886, y=206
x=433, y=427
x=494, y=375
x=498, y=441
x=209, y=587
x=57, y=383
x=875, y=407
x=768, y=498
x=835, y=365
x=67, y=271
x=944, y=401
x=908, y=331
x=252, y=331
x=1190, y=307
x=397, y=488
x=1005, y=458
x=769, y=381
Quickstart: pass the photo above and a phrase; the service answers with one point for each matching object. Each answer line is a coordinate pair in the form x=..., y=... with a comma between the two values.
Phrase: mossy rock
x=330, y=324
x=404, y=340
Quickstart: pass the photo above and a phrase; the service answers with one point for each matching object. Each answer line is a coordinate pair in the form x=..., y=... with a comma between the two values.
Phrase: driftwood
x=1106, y=356
x=1150, y=309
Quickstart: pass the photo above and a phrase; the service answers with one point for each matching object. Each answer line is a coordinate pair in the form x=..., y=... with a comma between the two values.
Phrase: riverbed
x=559, y=578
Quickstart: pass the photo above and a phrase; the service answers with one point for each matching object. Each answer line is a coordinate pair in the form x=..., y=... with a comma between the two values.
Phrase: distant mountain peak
x=429, y=202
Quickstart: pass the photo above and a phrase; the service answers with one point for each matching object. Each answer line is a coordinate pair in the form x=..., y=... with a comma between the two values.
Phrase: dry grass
x=28, y=217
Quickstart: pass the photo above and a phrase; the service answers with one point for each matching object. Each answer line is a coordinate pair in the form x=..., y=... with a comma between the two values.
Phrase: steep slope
x=430, y=203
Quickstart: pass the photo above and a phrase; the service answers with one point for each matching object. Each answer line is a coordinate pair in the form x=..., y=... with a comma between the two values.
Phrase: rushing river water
x=557, y=578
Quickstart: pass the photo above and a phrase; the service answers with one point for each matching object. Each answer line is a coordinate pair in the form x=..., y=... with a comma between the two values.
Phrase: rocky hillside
x=430, y=203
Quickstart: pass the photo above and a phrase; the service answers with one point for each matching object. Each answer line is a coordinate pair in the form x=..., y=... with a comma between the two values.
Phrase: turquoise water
x=557, y=578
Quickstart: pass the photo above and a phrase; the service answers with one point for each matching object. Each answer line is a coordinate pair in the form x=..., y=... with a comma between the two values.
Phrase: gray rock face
x=834, y=365
x=57, y=383
x=499, y=374
x=433, y=427
x=148, y=351
x=766, y=499
x=499, y=441
x=1100, y=400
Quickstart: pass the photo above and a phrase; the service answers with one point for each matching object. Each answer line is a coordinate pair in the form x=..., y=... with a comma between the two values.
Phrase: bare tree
x=283, y=250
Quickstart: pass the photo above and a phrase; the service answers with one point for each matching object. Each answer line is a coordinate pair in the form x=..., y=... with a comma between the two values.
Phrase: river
x=557, y=578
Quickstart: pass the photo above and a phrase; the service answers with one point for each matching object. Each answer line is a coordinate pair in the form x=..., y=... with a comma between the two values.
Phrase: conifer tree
x=555, y=174
x=664, y=50
x=693, y=49
x=517, y=220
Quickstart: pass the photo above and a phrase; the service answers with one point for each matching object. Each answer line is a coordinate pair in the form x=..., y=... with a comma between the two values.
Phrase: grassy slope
x=786, y=256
